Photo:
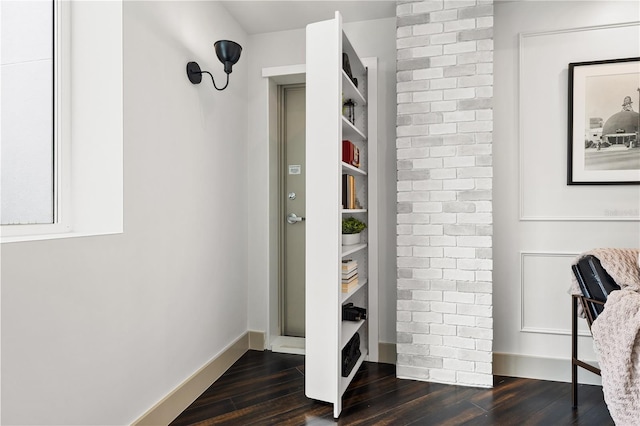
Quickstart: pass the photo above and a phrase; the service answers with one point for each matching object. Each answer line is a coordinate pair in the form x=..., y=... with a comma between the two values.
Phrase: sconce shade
x=228, y=53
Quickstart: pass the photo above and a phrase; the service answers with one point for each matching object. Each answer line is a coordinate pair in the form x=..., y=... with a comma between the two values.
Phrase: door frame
x=277, y=77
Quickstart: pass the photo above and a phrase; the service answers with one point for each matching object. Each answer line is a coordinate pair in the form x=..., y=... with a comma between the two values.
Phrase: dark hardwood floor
x=265, y=388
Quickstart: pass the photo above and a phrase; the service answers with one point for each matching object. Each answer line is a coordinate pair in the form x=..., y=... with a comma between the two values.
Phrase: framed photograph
x=604, y=147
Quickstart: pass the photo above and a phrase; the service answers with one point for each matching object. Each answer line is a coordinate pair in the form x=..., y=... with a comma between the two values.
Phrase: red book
x=348, y=152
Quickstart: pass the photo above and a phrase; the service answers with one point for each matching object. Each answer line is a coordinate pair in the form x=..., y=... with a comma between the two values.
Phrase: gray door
x=293, y=199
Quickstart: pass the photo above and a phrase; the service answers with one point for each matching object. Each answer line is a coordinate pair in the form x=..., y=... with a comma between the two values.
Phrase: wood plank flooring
x=265, y=388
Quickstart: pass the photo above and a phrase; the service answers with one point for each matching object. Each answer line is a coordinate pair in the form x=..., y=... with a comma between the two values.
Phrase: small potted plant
x=351, y=228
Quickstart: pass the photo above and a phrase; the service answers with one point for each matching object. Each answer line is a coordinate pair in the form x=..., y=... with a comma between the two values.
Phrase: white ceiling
x=267, y=16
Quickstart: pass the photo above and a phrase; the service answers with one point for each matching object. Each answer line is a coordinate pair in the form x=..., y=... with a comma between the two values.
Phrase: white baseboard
x=387, y=353
x=532, y=367
x=257, y=340
x=170, y=407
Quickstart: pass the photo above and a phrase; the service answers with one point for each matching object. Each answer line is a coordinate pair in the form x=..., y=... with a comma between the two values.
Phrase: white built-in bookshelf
x=327, y=86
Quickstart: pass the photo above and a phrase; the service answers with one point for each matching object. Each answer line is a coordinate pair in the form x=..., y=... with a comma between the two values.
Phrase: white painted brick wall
x=444, y=137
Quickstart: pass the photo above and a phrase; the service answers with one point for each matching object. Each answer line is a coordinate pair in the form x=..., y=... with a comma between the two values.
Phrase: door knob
x=293, y=218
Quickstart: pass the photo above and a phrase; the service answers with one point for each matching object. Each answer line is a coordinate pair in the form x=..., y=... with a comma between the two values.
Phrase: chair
x=596, y=284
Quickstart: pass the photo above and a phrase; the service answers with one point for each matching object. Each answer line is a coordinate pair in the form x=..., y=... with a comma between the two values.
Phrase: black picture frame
x=604, y=145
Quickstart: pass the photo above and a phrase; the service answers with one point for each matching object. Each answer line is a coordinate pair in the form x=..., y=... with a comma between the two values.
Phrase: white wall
x=263, y=50
x=533, y=248
x=97, y=330
x=369, y=38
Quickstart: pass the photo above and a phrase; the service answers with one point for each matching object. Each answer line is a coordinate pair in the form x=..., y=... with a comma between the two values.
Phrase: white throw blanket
x=616, y=335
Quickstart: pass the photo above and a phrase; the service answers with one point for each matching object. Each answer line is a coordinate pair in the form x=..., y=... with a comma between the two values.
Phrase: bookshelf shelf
x=347, y=250
x=351, y=132
x=353, y=211
x=349, y=328
x=352, y=170
x=350, y=91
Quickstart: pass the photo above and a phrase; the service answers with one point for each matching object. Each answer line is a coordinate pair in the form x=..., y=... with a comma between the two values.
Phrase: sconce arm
x=214, y=82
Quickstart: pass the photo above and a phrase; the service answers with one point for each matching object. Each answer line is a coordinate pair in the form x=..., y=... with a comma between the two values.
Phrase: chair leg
x=574, y=351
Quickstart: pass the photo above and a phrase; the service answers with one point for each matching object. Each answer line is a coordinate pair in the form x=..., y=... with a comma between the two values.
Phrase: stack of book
x=349, y=275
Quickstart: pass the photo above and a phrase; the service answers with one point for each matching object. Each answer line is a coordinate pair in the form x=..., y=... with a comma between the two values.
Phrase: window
x=27, y=137
x=84, y=168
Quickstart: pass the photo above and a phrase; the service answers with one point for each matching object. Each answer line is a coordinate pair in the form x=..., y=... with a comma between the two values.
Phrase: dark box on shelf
x=350, y=355
x=353, y=313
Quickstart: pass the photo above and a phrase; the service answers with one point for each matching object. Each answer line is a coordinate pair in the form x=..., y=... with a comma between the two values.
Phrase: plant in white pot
x=351, y=229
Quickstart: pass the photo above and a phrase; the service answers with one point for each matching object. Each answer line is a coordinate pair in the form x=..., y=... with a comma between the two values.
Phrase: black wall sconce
x=228, y=53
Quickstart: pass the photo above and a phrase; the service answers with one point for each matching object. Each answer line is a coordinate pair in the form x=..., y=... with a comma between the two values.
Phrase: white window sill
x=44, y=237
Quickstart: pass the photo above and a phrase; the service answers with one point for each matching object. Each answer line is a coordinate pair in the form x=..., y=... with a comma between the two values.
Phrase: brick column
x=444, y=136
